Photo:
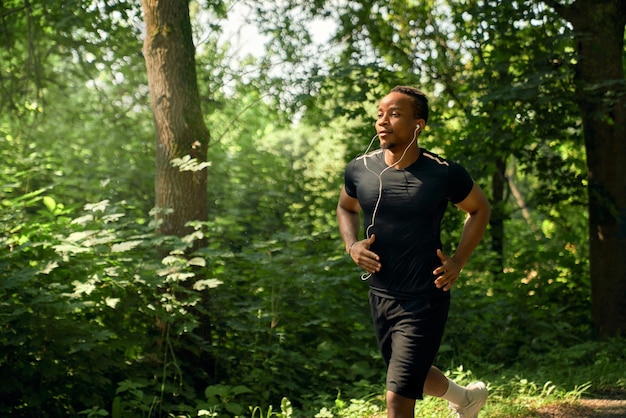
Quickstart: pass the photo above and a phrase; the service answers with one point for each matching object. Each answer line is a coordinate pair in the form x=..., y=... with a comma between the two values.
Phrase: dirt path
x=585, y=408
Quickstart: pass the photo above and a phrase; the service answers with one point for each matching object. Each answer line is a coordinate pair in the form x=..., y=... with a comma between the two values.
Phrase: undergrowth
x=563, y=375
x=589, y=369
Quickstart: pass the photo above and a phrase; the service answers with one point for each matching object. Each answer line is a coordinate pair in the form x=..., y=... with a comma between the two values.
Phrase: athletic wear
x=404, y=209
x=477, y=396
x=455, y=394
x=408, y=217
x=409, y=333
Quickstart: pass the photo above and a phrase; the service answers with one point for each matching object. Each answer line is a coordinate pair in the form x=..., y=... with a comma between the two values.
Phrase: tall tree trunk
x=601, y=94
x=498, y=185
x=181, y=196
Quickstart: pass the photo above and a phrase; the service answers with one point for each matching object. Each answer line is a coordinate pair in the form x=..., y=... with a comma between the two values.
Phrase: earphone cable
x=366, y=276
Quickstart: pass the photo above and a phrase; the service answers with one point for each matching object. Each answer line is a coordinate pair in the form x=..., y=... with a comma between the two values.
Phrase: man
x=403, y=191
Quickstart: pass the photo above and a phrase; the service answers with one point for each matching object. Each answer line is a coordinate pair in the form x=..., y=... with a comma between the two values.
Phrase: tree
x=601, y=97
x=182, y=137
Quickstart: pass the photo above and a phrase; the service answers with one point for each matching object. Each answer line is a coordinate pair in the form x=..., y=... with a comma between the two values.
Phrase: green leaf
x=49, y=203
x=206, y=284
x=125, y=246
x=197, y=261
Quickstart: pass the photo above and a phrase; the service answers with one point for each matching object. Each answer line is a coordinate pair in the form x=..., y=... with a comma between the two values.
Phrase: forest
x=170, y=173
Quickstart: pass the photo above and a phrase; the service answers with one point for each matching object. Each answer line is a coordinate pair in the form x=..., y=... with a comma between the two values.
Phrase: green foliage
x=41, y=41
x=55, y=312
x=139, y=324
x=101, y=317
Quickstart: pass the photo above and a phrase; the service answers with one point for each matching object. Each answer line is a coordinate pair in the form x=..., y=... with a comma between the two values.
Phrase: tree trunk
x=498, y=185
x=181, y=196
x=601, y=94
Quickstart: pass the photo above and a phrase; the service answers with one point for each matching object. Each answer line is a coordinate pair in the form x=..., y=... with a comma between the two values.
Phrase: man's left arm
x=478, y=212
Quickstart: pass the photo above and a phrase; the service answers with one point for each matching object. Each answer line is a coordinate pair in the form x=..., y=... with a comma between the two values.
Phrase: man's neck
x=398, y=160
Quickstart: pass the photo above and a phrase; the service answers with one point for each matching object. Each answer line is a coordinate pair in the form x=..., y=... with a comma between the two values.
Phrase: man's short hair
x=419, y=99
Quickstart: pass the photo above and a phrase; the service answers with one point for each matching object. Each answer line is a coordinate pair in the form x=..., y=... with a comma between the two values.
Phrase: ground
x=585, y=408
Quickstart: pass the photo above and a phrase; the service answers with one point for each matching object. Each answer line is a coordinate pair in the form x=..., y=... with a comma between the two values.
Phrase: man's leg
x=467, y=401
x=399, y=406
x=436, y=383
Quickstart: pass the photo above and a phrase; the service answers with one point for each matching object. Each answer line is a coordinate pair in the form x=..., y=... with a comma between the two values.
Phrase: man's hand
x=363, y=257
x=447, y=273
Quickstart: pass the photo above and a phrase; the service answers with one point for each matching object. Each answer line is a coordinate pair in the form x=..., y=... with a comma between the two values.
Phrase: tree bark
x=498, y=184
x=601, y=95
x=181, y=196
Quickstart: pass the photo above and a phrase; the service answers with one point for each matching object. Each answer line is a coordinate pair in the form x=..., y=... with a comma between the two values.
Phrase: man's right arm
x=348, y=210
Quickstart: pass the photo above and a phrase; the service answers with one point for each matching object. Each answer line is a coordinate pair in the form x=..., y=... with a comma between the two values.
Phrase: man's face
x=395, y=123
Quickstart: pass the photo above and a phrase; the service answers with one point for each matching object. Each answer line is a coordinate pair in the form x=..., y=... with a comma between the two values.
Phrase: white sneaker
x=477, y=395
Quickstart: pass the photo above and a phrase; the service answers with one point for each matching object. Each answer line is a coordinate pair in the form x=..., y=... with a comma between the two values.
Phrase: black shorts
x=409, y=334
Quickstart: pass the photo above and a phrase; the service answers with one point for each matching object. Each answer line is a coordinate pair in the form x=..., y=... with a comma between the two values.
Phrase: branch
x=519, y=199
x=8, y=12
x=566, y=12
x=236, y=118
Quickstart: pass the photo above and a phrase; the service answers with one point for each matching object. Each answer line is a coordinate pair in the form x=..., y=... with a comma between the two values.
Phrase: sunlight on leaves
x=79, y=236
x=197, y=261
x=82, y=288
x=206, y=284
x=124, y=246
x=113, y=217
x=70, y=249
x=83, y=220
x=97, y=207
x=49, y=267
x=187, y=163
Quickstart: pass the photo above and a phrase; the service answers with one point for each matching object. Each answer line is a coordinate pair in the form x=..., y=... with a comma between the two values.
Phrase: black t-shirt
x=408, y=217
